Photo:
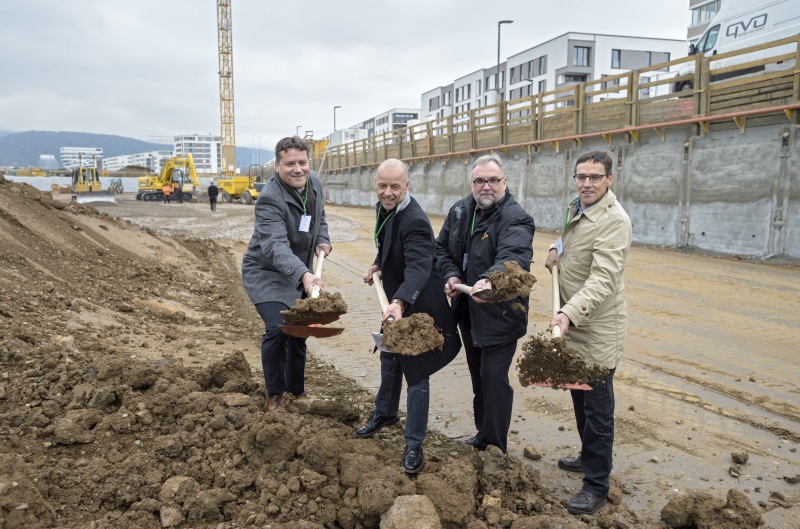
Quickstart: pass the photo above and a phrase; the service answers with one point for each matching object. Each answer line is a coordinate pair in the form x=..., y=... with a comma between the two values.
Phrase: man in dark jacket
x=480, y=233
x=213, y=192
x=290, y=228
x=404, y=238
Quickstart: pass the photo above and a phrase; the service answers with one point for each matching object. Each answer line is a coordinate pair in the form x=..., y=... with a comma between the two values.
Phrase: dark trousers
x=283, y=357
x=492, y=394
x=594, y=415
x=213, y=202
x=387, y=400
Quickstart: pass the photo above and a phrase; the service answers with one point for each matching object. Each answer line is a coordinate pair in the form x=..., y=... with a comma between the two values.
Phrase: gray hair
x=486, y=158
x=392, y=162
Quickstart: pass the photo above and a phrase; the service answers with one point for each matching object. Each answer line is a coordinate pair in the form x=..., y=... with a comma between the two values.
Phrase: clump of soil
x=551, y=361
x=700, y=509
x=323, y=309
x=413, y=335
x=513, y=282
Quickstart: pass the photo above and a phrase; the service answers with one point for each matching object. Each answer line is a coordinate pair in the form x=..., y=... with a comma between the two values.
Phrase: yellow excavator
x=178, y=169
x=86, y=186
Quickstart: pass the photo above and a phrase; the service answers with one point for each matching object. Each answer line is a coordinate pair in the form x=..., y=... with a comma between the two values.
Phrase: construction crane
x=227, y=126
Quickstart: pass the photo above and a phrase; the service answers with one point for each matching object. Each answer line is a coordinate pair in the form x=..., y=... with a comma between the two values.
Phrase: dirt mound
x=127, y=400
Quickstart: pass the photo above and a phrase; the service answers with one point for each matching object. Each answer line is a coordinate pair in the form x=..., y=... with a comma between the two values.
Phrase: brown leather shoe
x=302, y=396
x=275, y=404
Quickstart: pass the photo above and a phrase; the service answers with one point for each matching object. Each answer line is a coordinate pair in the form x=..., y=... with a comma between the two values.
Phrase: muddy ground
x=131, y=392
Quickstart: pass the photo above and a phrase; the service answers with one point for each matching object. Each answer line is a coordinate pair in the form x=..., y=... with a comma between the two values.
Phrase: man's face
x=590, y=192
x=488, y=185
x=392, y=186
x=294, y=168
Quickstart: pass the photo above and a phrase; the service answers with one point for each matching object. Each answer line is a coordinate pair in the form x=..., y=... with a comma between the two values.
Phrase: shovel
x=304, y=331
x=488, y=295
x=557, y=334
x=378, y=337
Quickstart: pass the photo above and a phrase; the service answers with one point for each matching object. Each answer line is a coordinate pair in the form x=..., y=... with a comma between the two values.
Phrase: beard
x=486, y=201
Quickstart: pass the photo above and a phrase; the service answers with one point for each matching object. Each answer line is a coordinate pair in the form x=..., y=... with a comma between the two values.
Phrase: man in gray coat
x=290, y=229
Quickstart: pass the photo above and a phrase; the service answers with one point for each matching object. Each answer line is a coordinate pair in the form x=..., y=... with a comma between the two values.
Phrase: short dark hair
x=596, y=157
x=290, y=142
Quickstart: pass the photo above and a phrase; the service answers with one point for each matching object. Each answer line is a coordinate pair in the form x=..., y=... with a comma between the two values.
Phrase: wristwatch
x=401, y=303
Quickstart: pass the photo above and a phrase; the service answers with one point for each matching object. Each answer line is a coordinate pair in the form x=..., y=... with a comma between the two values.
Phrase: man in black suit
x=405, y=259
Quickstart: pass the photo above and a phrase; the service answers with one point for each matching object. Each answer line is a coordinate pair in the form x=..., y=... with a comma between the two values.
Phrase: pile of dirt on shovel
x=511, y=282
x=323, y=309
x=413, y=335
x=550, y=360
x=128, y=399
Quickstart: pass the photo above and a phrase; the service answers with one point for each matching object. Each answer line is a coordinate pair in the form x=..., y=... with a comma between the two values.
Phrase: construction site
x=132, y=394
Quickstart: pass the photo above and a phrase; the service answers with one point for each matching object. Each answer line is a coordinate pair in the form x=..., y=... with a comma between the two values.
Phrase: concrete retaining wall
x=726, y=191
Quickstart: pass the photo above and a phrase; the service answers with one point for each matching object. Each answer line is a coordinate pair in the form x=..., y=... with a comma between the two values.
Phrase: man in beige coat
x=591, y=255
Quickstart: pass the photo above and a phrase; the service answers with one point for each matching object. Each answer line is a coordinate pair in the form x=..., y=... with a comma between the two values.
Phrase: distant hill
x=22, y=149
x=6, y=132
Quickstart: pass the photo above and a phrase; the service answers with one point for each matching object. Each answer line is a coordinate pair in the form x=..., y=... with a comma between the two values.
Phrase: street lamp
x=297, y=130
x=334, y=117
x=497, y=82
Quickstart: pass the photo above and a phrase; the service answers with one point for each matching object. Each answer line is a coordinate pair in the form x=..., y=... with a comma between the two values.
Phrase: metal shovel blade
x=378, y=337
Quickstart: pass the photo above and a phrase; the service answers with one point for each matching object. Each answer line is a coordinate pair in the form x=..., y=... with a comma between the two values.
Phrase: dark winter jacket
x=505, y=234
x=408, y=272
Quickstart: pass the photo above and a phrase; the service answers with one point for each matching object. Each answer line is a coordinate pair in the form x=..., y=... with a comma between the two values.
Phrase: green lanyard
x=566, y=215
x=302, y=200
x=472, y=231
x=379, y=228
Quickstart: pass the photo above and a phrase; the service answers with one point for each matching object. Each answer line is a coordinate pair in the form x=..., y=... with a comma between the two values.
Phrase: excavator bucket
x=100, y=196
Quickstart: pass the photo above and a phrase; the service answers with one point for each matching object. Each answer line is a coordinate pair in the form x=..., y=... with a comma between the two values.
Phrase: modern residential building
x=567, y=59
x=153, y=161
x=72, y=157
x=204, y=148
x=396, y=118
x=702, y=13
x=342, y=136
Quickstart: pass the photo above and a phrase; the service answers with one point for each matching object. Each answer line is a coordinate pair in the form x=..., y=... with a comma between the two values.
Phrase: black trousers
x=283, y=357
x=493, y=396
x=213, y=202
x=594, y=415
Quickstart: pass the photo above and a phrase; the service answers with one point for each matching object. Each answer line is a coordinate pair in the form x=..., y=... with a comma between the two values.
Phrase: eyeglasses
x=480, y=182
x=593, y=178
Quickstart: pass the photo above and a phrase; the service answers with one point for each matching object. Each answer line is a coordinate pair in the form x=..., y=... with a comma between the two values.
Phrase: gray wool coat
x=279, y=253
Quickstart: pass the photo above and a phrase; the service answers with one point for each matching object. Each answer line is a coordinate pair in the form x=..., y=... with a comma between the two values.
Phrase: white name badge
x=559, y=246
x=305, y=223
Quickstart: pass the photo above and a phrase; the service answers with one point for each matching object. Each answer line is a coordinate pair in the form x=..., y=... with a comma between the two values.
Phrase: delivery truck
x=742, y=24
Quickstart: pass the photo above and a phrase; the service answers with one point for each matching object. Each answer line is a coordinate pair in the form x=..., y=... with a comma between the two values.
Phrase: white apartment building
x=204, y=148
x=568, y=59
x=396, y=118
x=702, y=13
x=72, y=157
x=579, y=57
x=152, y=161
x=48, y=161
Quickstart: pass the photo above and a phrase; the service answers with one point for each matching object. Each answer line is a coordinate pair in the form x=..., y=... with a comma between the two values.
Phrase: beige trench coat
x=596, y=244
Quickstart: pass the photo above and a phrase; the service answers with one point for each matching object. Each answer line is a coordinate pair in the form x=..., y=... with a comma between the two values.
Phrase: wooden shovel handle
x=556, y=300
x=318, y=273
x=376, y=280
x=461, y=287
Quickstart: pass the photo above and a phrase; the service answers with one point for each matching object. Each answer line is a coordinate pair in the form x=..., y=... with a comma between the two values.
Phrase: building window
x=542, y=64
x=447, y=97
x=580, y=56
x=478, y=87
x=469, y=91
x=704, y=13
x=616, y=58
x=542, y=86
x=648, y=58
x=513, y=76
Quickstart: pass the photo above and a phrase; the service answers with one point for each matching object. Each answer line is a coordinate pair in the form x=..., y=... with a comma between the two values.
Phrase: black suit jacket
x=408, y=272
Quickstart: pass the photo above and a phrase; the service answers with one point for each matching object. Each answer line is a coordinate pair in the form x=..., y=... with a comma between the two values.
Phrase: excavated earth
x=127, y=401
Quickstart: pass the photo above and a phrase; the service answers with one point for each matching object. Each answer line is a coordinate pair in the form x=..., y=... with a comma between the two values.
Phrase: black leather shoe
x=412, y=459
x=584, y=502
x=374, y=426
x=573, y=464
x=474, y=442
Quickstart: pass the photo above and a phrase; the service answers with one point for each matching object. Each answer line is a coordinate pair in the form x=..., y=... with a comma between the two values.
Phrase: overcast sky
x=148, y=68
